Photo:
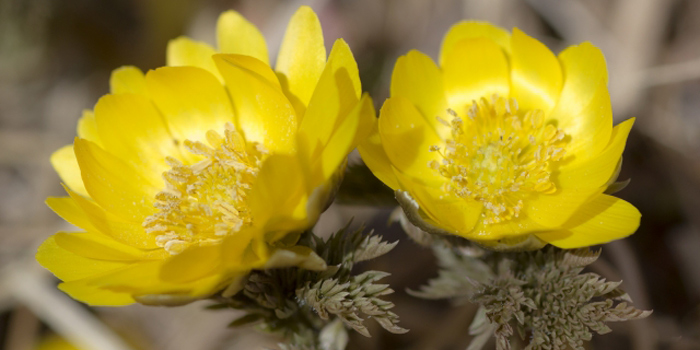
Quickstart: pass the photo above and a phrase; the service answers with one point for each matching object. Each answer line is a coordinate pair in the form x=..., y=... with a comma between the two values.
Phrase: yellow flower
x=504, y=143
x=186, y=178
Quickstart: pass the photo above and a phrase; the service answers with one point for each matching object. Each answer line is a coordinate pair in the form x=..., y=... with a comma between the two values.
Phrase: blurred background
x=55, y=61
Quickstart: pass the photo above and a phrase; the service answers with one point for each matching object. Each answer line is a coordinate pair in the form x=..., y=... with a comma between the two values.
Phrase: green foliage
x=543, y=295
x=310, y=309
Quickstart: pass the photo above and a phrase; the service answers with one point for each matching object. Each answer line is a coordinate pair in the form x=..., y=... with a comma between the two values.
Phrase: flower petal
x=131, y=233
x=418, y=79
x=552, y=210
x=237, y=35
x=184, y=51
x=66, y=165
x=372, y=153
x=69, y=210
x=302, y=56
x=245, y=250
x=192, y=101
x=536, y=74
x=87, y=128
x=583, y=110
x=337, y=93
x=355, y=127
x=69, y=266
x=192, y=264
x=98, y=246
x=407, y=137
x=115, y=185
x=132, y=129
x=262, y=111
x=279, y=191
x=87, y=293
x=470, y=30
x=602, y=220
x=589, y=130
x=128, y=80
x=144, y=278
x=504, y=230
x=475, y=68
x=596, y=172
x=454, y=215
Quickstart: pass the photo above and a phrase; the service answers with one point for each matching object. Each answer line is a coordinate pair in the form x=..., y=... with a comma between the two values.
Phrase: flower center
x=205, y=201
x=499, y=156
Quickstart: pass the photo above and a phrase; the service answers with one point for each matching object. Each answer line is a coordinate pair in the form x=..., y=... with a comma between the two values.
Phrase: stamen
x=205, y=201
x=499, y=156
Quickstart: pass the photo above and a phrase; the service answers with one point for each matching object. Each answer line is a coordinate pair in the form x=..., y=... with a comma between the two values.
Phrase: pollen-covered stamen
x=205, y=201
x=499, y=156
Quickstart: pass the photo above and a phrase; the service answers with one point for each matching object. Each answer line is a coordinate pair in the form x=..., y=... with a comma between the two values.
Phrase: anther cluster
x=205, y=201
x=499, y=156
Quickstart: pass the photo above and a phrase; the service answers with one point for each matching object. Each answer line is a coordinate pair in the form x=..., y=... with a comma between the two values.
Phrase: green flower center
x=499, y=156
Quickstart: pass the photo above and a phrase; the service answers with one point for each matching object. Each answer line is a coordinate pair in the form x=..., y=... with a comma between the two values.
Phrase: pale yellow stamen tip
x=499, y=156
x=205, y=201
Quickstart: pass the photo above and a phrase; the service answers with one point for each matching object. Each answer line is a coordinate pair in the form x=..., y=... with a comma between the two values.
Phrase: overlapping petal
x=475, y=68
x=221, y=126
x=523, y=147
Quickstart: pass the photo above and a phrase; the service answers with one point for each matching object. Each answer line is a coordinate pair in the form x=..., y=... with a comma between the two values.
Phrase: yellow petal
x=590, y=129
x=302, y=56
x=552, y=210
x=418, y=79
x=134, y=276
x=131, y=233
x=132, y=129
x=407, y=137
x=184, y=51
x=97, y=246
x=89, y=294
x=70, y=211
x=536, y=74
x=118, y=287
x=87, y=128
x=237, y=35
x=278, y=190
x=192, y=100
x=69, y=266
x=450, y=213
x=262, y=111
x=144, y=279
x=595, y=172
x=230, y=283
x=470, y=30
x=602, y=220
x=239, y=248
x=372, y=153
x=255, y=67
x=138, y=275
x=115, y=185
x=128, y=80
x=475, y=68
x=66, y=165
x=583, y=110
x=505, y=230
x=337, y=94
x=350, y=132
x=192, y=264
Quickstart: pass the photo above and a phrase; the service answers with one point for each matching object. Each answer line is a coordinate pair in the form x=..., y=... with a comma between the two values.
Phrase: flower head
x=186, y=178
x=503, y=143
